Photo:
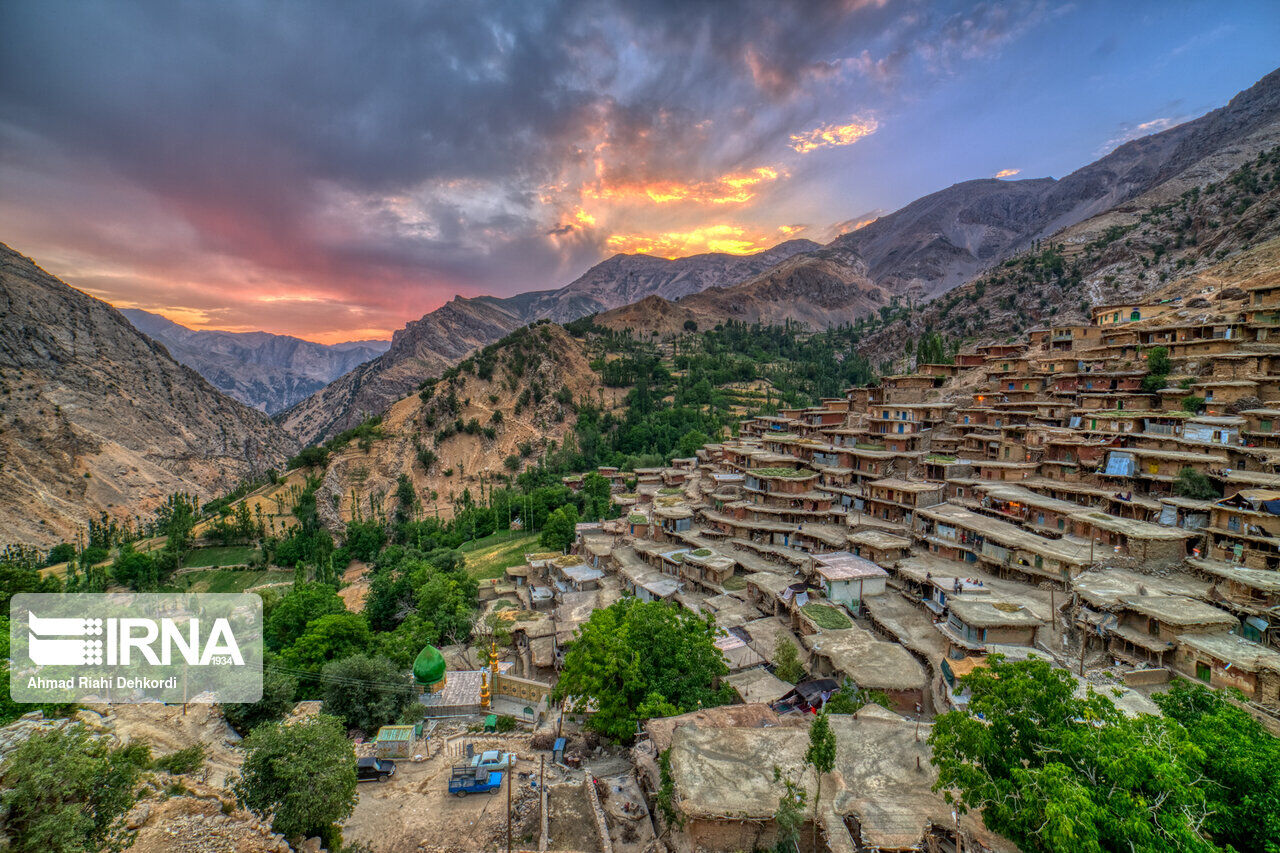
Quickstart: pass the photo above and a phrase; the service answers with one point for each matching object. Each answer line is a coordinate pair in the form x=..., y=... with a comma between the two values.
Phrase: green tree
x=636, y=654
x=786, y=658
x=328, y=638
x=1158, y=367
x=301, y=775
x=365, y=692
x=821, y=756
x=1053, y=771
x=16, y=577
x=790, y=814
x=289, y=617
x=66, y=792
x=1192, y=404
x=1241, y=764
x=691, y=441
x=849, y=698
x=1190, y=483
x=278, y=692
x=135, y=569
x=561, y=529
x=309, y=457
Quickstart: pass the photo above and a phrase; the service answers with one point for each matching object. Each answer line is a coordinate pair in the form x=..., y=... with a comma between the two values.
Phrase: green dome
x=428, y=666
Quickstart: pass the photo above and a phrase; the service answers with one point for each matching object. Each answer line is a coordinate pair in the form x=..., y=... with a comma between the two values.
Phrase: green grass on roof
x=826, y=617
x=796, y=473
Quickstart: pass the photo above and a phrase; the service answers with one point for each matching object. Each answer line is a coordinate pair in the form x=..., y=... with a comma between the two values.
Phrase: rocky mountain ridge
x=817, y=289
x=96, y=417
x=268, y=372
x=943, y=239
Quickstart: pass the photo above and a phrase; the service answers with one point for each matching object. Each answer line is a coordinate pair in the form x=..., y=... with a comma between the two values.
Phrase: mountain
x=944, y=239
x=1201, y=246
x=818, y=289
x=442, y=338
x=421, y=349
x=623, y=279
x=96, y=417
x=266, y=371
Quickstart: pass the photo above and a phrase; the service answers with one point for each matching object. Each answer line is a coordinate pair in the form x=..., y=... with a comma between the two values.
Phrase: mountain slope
x=440, y=339
x=1197, y=246
x=944, y=239
x=266, y=371
x=818, y=289
x=420, y=350
x=95, y=416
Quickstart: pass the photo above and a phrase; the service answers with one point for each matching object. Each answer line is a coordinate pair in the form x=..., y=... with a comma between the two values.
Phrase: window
x=1265, y=426
x=1135, y=314
x=1203, y=671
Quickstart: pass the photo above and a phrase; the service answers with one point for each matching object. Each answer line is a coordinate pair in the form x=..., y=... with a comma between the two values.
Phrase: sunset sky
x=334, y=169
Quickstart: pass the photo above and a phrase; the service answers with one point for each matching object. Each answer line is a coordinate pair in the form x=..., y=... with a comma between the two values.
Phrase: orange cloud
x=1007, y=173
x=730, y=239
x=833, y=135
x=733, y=188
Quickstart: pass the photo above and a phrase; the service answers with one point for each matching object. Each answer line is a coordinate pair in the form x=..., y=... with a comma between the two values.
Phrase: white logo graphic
x=135, y=647
x=49, y=646
x=125, y=636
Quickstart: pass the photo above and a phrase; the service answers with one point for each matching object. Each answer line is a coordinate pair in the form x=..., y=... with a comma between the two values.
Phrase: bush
x=187, y=760
x=278, y=690
x=309, y=457
x=68, y=790
x=1190, y=483
x=365, y=692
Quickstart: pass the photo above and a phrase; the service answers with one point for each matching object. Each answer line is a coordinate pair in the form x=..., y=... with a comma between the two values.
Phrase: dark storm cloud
x=387, y=154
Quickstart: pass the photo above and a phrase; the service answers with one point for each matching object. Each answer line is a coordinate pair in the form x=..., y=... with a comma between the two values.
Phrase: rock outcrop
x=96, y=417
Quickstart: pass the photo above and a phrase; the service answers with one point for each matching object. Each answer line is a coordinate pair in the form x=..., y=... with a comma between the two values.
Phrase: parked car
x=368, y=769
x=494, y=759
x=469, y=780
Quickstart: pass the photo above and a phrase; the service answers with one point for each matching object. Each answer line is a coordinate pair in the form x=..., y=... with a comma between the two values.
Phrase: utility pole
x=511, y=780
x=542, y=791
x=1084, y=642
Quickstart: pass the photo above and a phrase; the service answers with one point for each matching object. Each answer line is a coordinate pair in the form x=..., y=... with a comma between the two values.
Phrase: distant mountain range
x=96, y=417
x=445, y=336
x=266, y=371
x=926, y=248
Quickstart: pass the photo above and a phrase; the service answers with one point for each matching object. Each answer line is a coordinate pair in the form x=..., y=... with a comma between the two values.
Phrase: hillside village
x=958, y=532
x=1099, y=495
x=1044, y=497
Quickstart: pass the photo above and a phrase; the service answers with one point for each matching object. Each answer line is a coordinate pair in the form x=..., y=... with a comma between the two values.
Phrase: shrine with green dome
x=429, y=670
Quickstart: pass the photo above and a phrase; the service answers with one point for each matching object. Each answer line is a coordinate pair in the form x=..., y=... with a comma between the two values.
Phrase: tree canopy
x=65, y=791
x=1055, y=771
x=301, y=775
x=365, y=692
x=561, y=528
x=636, y=659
